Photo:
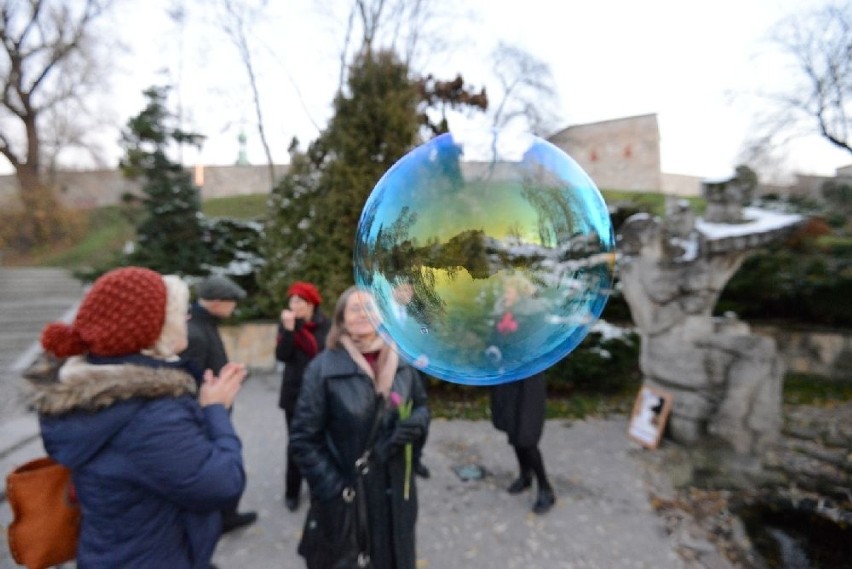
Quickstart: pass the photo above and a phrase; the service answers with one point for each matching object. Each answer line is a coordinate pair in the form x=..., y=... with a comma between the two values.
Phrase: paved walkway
x=602, y=519
x=28, y=299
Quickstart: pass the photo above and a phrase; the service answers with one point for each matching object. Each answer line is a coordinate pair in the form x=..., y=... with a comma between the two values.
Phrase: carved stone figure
x=726, y=381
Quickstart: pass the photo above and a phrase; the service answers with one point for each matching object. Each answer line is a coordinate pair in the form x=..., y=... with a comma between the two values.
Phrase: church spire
x=242, y=158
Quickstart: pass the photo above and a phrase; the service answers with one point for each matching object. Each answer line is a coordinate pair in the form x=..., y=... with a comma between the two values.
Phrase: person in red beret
x=301, y=336
x=153, y=457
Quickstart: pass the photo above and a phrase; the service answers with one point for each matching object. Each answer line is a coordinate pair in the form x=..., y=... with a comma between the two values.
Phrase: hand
x=288, y=319
x=223, y=389
x=406, y=432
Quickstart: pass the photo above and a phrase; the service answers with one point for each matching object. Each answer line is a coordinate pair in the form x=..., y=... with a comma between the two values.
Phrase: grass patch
x=237, y=207
x=108, y=231
x=808, y=389
x=451, y=401
x=652, y=202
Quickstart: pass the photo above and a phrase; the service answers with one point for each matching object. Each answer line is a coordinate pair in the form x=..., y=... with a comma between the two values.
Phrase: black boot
x=545, y=500
x=292, y=502
x=232, y=520
x=520, y=484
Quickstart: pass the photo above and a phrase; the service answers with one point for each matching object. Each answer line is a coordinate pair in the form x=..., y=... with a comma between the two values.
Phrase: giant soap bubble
x=485, y=271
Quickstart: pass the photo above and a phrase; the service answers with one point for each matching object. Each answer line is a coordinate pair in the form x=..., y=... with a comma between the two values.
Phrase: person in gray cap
x=217, y=299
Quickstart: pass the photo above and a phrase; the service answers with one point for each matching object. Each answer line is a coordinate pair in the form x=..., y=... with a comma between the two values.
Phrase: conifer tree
x=314, y=210
x=170, y=236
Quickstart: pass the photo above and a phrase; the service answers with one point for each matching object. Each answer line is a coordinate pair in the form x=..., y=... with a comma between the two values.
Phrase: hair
x=177, y=303
x=337, y=328
x=521, y=283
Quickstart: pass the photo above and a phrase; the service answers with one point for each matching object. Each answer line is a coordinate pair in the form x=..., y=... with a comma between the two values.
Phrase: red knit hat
x=305, y=290
x=123, y=313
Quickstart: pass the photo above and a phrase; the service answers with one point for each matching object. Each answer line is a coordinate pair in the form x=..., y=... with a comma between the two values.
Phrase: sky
x=699, y=66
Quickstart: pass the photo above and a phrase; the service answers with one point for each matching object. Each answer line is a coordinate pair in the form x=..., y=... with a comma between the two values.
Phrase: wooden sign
x=650, y=413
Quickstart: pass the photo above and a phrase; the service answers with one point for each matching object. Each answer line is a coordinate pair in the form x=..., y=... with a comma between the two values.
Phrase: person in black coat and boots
x=301, y=336
x=217, y=299
x=518, y=407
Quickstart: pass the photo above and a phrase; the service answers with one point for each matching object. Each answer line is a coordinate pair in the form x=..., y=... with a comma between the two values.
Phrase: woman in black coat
x=301, y=336
x=518, y=407
x=356, y=385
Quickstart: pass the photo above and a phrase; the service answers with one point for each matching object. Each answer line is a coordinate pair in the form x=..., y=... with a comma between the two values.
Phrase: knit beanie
x=123, y=313
x=306, y=291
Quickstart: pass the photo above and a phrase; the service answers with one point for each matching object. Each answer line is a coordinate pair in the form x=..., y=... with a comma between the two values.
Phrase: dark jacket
x=333, y=418
x=151, y=467
x=205, y=349
x=295, y=360
x=518, y=409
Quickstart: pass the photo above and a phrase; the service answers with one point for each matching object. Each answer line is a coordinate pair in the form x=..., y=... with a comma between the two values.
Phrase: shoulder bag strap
x=362, y=523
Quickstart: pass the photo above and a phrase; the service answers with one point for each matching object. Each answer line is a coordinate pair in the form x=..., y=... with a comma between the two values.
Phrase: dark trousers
x=292, y=474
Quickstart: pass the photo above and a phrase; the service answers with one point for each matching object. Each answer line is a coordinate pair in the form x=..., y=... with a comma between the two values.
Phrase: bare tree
x=236, y=21
x=527, y=92
x=47, y=67
x=413, y=29
x=818, y=45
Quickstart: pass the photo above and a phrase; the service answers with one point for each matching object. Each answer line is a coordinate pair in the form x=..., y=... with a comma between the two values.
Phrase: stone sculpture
x=726, y=381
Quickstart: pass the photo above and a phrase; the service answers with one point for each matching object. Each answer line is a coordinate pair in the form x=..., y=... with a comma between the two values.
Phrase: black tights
x=292, y=476
x=531, y=462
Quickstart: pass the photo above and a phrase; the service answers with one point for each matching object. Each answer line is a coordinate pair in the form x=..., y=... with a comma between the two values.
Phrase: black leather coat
x=296, y=360
x=334, y=415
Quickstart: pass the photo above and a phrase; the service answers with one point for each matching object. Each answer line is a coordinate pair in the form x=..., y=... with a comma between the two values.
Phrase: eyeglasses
x=361, y=306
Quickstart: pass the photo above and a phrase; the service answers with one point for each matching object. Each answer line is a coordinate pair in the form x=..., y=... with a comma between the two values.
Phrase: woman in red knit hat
x=301, y=336
x=153, y=462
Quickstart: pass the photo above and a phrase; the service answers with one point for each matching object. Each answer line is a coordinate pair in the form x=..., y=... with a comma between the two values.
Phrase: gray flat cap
x=218, y=287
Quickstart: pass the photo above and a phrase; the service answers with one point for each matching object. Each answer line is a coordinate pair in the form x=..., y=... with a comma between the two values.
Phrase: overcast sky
x=698, y=66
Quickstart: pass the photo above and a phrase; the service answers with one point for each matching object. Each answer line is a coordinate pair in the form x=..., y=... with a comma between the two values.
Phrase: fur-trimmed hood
x=88, y=404
x=82, y=386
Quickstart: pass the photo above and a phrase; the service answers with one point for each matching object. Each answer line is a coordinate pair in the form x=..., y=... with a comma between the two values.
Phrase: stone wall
x=811, y=352
x=620, y=154
x=224, y=181
x=681, y=185
x=252, y=344
x=97, y=188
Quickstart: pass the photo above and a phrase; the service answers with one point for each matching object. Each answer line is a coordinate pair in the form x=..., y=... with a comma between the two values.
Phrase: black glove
x=406, y=432
x=384, y=449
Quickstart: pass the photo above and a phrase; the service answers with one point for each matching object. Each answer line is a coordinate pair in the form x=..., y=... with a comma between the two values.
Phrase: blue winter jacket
x=152, y=468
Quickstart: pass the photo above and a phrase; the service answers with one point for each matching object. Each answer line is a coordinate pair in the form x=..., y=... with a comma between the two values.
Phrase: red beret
x=123, y=313
x=305, y=290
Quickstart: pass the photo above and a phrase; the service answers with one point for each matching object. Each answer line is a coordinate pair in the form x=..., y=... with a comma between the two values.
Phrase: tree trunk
x=42, y=221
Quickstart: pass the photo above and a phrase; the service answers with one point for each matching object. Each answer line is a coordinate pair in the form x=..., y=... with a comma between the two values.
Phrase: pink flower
x=394, y=399
x=508, y=324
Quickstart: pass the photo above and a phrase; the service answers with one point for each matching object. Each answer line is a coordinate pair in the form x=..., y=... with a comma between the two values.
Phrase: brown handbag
x=46, y=516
